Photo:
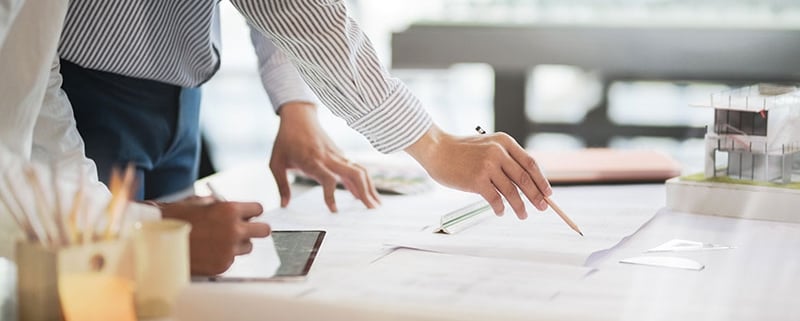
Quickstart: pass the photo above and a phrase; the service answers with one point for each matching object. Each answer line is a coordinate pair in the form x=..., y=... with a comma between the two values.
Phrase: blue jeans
x=151, y=124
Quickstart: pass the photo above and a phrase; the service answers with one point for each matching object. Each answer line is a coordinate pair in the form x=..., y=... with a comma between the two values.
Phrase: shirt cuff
x=284, y=85
x=397, y=123
x=138, y=212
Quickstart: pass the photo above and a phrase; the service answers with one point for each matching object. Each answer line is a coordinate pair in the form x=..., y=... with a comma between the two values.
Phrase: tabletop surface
x=755, y=280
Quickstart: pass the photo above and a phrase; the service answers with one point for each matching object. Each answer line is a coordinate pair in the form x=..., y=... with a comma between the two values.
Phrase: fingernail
x=523, y=215
x=541, y=205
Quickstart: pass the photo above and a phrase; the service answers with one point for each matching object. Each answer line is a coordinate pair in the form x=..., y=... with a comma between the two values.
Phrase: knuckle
x=488, y=165
x=239, y=232
x=494, y=199
x=267, y=230
x=524, y=180
x=223, y=264
x=258, y=207
x=517, y=205
x=327, y=178
x=274, y=166
x=227, y=208
x=361, y=176
x=529, y=162
x=352, y=172
x=495, y=149
x=505, y=138
x=247, y=248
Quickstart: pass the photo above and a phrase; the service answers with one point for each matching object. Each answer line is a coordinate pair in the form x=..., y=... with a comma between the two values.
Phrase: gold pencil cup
x=58, y=284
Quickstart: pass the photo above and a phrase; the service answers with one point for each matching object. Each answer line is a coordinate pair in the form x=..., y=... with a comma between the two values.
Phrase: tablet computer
x=296, y=250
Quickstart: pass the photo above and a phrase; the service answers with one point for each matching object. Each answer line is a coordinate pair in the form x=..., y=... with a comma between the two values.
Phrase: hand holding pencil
x=494, y=166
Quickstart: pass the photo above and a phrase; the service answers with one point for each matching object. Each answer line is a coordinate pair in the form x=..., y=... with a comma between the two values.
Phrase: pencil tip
x=581, y=233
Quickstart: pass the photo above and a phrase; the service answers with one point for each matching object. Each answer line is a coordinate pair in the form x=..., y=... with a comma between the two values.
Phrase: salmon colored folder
x=603, y=165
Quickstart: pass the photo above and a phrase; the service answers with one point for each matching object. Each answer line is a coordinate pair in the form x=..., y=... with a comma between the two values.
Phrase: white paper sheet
x=398, y=213
x=614, y=214
x=408, y=221
x=411, y=277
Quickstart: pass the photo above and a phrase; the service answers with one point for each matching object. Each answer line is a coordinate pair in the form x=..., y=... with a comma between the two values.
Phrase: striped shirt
x=176, y=41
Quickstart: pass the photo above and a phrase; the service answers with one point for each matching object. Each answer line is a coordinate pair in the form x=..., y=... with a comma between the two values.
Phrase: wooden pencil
x=563, y=215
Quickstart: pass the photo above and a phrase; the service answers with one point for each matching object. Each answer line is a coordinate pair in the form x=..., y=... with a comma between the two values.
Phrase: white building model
x=757, y=130
x=752, y=160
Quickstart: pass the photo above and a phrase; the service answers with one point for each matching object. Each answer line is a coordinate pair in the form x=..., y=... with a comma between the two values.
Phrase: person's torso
x=168, y=41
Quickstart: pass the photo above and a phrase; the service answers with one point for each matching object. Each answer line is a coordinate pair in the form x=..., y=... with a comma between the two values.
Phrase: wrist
x=295, y=109
x=427, y=145
x=155, y=204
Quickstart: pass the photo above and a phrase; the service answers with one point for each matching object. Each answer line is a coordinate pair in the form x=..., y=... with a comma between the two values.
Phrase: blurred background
x=239, y=123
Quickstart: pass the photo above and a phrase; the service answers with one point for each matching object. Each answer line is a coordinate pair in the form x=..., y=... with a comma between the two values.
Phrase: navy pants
x=151, y=124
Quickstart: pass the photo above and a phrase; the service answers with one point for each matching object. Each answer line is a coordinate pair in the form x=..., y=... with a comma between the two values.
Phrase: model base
x=734, y=200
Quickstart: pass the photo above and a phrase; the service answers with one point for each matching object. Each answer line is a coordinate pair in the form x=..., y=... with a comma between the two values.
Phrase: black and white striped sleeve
x=338, y=62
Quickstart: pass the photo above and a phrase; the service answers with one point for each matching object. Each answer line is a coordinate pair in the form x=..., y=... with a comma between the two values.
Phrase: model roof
x=755, y=98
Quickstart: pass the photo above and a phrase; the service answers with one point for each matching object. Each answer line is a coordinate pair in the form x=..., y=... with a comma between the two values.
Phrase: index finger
x=247, y=210
x=356, y=180
x=256, y=229
x=278, y=169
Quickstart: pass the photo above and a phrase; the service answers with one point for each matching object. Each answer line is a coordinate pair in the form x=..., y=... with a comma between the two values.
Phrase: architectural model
x=757, y=128
x=752, y=157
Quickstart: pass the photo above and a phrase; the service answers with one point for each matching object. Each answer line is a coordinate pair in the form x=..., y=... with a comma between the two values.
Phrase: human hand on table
x=220, y=231
x=302, y=144
x=490, y=165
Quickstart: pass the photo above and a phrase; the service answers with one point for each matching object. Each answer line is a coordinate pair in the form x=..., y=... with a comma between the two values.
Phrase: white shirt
x=36, y=121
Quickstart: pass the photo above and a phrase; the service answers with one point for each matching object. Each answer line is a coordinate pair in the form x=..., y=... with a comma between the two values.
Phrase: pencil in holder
x=92, y=281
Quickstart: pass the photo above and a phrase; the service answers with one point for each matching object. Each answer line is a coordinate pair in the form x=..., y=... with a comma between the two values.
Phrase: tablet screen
x=297, y=250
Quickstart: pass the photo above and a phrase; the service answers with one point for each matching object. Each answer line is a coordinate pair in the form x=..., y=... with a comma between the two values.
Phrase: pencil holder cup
x=162, y=265
x=83, y=282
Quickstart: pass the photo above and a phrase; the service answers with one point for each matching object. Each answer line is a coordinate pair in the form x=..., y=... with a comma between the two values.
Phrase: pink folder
x=599, y=165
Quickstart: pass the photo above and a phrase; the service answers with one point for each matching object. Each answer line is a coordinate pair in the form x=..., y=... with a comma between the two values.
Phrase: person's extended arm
x=301, y=142
x=338, y=62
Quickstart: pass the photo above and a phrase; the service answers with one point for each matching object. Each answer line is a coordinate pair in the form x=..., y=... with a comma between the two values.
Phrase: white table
x=757, y=280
